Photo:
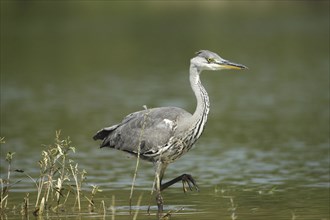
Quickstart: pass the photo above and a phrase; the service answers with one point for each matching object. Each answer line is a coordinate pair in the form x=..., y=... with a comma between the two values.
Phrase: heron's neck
x=199, y=117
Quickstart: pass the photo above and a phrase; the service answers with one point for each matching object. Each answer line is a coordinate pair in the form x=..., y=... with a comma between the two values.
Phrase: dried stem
x=137, y=161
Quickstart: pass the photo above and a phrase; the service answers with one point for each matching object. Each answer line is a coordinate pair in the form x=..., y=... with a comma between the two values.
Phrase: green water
x=81, y=66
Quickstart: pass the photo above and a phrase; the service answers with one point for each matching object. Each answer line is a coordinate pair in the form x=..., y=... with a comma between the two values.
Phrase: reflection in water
x=264, y=152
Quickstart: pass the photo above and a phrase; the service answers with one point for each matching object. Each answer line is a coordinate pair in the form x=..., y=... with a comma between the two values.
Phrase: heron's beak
x=225, y=64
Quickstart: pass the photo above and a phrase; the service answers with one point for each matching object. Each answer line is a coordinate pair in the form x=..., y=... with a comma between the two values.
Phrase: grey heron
x=162, y=135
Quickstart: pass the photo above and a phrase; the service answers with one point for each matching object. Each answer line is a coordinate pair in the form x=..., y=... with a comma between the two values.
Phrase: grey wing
x=151, y=129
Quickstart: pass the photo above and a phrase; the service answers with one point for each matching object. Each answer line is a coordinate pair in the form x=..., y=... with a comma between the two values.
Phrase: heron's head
x=207, y=60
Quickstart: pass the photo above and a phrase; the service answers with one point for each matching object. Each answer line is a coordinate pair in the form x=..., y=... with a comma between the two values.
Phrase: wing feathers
x=152, y=127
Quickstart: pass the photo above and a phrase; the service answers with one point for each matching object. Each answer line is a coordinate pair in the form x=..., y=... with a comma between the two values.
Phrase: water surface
x=265, y=150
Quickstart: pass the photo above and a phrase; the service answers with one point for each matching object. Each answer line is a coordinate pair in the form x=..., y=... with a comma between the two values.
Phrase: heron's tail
x=104, y=134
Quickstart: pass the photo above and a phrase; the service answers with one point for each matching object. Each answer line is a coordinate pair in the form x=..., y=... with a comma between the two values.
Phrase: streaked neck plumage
x=203, y=103
x=199, y=117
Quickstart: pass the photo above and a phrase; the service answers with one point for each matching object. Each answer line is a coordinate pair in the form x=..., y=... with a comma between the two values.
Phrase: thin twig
x=137, y=161
x=104, y=210
x=113, y=209
x=74, y=173
x=137, y=207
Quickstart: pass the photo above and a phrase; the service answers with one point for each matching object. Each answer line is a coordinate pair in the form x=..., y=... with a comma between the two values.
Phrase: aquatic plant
x=59, y=179
x=5, y=183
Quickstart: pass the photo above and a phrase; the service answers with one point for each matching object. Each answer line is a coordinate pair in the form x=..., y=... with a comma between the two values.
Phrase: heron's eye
x=210, y=60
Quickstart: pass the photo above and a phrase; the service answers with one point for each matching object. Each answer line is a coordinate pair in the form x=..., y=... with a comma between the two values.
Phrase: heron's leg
x=159, y=200
x=185, y=178
x=160, y=169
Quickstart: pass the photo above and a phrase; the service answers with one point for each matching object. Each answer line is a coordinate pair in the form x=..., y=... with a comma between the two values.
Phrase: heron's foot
x=188, y=180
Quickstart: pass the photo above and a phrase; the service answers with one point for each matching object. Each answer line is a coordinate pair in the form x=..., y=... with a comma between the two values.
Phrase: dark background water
x=81, y=65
